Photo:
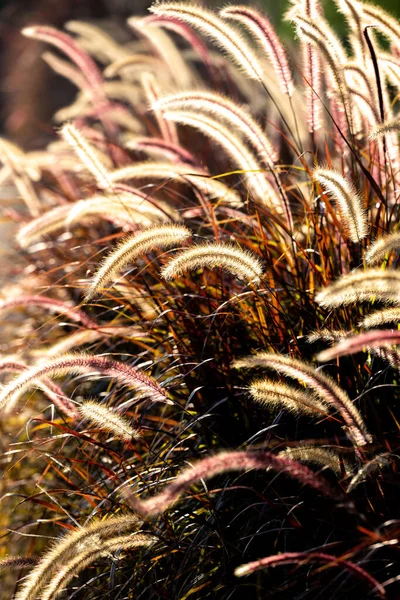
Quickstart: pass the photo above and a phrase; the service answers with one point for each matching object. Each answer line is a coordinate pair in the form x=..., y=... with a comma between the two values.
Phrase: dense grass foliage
x=200, y=356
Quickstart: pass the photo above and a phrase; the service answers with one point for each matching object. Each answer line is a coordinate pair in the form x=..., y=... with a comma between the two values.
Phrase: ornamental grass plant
x=200, y=353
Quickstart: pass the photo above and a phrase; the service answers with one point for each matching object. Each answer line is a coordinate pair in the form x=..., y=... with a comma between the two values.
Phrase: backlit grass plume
x=269, y=393
x=165, y=236
x=362, y=286
x=381, y=247
x=323, y=386
x=301, y=557
x=76, y=364
x=381, y=317
x=87, y=556
x=323, y=457
x=222, y=34
x=347, y=199
x=223, y=463
x=233, y=259
x=104, y=418
x=67, y=548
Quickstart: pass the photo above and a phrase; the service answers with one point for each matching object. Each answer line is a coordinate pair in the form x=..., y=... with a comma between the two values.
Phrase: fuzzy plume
x=243, y=158
x=322, y=457
x=228, y=111
x=195, y=177
x=223, y=463
x=57, y=306
x=269, y=393
x=323, y=386
x=52, y=391
x=378, y=462
x=374, y=339
x=298, y=557
x=382, y=246
x=233, y=259
x=68, y=46
x=80, y=364
x=362, y=286
x=86, y=154
x=263, y=32
x=226, y=37
x=162, y=237
x=348, y=201
x=106, y=419
x=381, y=317
x=66, y=549
x=88, y=555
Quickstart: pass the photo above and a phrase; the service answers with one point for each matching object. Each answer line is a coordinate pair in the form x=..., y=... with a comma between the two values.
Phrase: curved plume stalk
x=70, y=364
x=327, y=335
x=323, y=386
x=66, y=70
x=96, y=37
x=153, y=93
x=166, y=50
x=223, y=463
x=319, y=456
x=106, y=419
x=68, y=46
x=197, y=178
x=296, y=557
x=16, y=563
x=233, y=259
x=56, y=306
x=383, y=245
x=78, y=339
x=88, y=556
x=313, y=80
x=86, y=154
x=133, y=208
x=262, y=31
x=67, y=548
x=160, y=148
x=223, y=108
x=385, y=128
x=381, y=317
x=353, y=12
x=236, y=149
x=53, y=392
x=362, y=286
x=371, y=340
x=349, y=202
x=270, y=393
x=378, y=462
x=165, y=236
x=128, y=209
x=376, y=16
x=224, y=36
x=185, y=31
x=321, y=37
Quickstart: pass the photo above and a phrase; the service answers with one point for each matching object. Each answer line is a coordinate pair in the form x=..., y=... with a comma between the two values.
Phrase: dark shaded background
x=30, y=93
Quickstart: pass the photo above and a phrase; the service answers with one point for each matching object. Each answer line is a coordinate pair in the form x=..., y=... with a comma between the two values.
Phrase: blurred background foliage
x=25, y=112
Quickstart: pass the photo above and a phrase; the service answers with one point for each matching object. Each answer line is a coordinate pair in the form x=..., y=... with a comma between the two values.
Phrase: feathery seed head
x=241, y=263
x=130, y=248
x=106, y=419
x=362, y=286
x=349, y=202
x=384, y=244
x=270, y=393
